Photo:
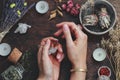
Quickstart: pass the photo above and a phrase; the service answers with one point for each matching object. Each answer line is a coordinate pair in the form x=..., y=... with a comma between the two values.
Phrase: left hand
x=49, y=65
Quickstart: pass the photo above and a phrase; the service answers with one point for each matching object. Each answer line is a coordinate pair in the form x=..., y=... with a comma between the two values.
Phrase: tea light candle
x=42, y=7
x=5, y=49
x=99, y=54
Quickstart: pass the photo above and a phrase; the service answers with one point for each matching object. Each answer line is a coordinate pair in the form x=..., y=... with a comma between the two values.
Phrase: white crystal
x=22, y=28
x=52, y=50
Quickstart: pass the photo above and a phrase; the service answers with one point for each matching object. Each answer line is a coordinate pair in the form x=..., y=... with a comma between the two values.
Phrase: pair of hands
x=49, y=65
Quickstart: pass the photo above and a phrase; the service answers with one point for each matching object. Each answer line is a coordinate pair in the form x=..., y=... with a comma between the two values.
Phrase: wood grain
x=41, y=28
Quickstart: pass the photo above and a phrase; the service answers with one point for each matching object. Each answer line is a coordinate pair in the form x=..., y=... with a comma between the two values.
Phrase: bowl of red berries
x=104, y=70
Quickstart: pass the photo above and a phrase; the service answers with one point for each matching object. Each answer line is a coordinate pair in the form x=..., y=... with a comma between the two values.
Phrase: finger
x=67, y=34
x=79, y=26
x=70, y=24
x=73, y=27
x=46, y=49
x=50, y=38
x=60, y=48
x=60, y=56
x=40, y=52
x=59, y=32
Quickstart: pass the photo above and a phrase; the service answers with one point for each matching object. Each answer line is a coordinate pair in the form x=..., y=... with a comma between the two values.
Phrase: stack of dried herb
x=112, y=46
x=13, y=11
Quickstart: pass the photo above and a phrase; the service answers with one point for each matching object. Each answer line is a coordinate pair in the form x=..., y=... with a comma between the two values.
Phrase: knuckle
x=84, y=37
x=72, y=23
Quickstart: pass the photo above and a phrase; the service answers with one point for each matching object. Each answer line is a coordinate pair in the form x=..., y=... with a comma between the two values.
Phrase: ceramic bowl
x=98, y=30
x=104, y=67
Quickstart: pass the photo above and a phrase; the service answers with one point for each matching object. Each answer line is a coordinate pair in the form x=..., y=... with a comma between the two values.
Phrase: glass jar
x=13, y=72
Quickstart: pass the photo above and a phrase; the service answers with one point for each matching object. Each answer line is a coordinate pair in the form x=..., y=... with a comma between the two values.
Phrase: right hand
x=77, y=49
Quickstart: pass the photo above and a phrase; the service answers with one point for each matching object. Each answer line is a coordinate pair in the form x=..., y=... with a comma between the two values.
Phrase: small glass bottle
x=13, y=72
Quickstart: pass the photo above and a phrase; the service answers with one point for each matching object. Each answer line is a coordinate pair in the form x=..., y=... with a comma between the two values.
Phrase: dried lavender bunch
x=112, y=46
x=13, y=11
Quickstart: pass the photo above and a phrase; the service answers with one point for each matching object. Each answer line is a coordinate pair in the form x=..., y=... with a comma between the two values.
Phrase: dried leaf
x=60, y=13
x=53, y=15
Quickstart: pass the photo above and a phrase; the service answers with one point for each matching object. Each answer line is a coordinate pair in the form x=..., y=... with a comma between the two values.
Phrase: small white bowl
x=104, y=67
x=42, y=7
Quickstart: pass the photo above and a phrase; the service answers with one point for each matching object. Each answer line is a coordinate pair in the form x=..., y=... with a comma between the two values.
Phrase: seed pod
x=53, y=11
x=59, y=8
x=60, y=13
x=12, y=5
x=19, y=13
x=53, y=15
x=25, y=4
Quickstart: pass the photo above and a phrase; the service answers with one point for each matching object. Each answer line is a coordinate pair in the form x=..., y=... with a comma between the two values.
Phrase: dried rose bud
x=77, y=6
x=64, y=6
x=70, y=5
x=68, y=9
x=74, y=11
x=69, y=2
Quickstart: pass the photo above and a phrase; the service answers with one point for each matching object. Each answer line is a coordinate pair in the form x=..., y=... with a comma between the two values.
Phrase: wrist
x=42, y=77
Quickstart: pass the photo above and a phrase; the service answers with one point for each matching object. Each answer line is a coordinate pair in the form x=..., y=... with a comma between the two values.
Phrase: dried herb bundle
x=13, y=11
x=112, y=46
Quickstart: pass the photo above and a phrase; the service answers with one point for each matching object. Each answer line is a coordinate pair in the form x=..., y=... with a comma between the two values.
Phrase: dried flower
x=53, y=15
x=112, y=45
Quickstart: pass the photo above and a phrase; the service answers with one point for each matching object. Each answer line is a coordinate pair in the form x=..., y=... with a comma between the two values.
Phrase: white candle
x=42, y=7
x=5, y=49
x=99, y=54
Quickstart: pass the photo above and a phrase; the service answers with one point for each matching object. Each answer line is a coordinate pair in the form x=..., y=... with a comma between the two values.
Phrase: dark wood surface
x=41, y=28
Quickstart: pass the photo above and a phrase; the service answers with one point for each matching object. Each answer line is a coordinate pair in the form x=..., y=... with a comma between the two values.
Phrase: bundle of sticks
x=13, y=11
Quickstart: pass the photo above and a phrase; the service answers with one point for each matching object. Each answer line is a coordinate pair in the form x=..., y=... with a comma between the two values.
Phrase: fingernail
x=61, y=50
x=65, y=27
x=58, y=56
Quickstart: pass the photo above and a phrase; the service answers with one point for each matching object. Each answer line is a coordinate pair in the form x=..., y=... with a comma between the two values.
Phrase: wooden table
x=41, y=28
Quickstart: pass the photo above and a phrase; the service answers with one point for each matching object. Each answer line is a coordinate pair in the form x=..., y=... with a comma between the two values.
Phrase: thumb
x=67, y=34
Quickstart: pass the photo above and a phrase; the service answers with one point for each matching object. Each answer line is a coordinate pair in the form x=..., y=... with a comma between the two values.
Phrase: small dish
x=5, y=49
x=96, y=29
x=99, y=54
x=104, y=70
x=42, y=7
